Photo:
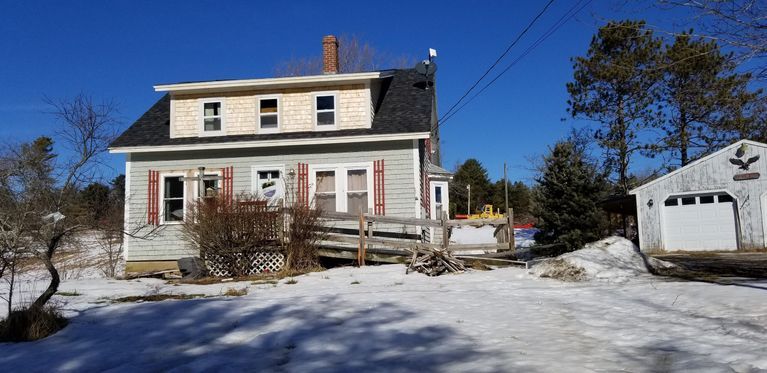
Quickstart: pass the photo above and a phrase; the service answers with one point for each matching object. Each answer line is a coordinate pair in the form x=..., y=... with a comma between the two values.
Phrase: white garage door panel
x=707, y=226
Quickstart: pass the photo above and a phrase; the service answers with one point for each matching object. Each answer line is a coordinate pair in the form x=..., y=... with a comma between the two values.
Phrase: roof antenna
x=427, y=68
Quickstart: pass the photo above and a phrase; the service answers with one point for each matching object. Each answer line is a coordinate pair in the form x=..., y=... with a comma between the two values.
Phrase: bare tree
x=354, y=55
x=741, y=24
x=38, y=190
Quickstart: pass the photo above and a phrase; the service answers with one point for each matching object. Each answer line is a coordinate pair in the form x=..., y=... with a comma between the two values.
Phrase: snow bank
x=613, y=259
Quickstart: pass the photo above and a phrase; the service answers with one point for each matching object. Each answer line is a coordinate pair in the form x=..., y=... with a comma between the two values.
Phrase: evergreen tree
x=471, y=173
x=615, y=85
x=566, y=197
x=95, y=202
x=519, y=199
x=704, y=98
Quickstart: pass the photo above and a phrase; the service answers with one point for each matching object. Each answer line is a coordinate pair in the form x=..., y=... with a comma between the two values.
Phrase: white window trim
x=341, y=182
x=255, y=169
x=162, y=198
x=337, y=119
x=196, y=183
x=258, y=114
x=201, y=122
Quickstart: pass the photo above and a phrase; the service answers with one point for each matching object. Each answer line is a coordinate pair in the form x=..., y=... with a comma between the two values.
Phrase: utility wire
x=558, y=24
x=498, y=60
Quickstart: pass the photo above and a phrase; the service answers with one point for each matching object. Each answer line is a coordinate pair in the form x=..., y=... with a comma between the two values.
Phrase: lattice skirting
x=250, y=263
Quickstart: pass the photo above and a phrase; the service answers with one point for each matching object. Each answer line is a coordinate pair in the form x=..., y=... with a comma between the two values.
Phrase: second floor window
x=211, y=120
x=326, y=111
x=268, y=114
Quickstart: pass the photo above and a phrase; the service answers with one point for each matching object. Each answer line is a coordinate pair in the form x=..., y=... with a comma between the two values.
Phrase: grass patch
x=291, y=281
x=232, y=292
x=31, y=324
x=477, y=265
x=68, y=293
x=157, y=298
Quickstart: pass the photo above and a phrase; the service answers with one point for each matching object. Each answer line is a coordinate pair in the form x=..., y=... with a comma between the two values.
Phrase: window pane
x=174, y=209
x=269, y=105
x=268, y=121
x=357, y=180
x=672, y=202
x=275, y=175
x=438, y=195
x=706, y=199
x=212, y=109
x=688, y=200
x=725, y=198
x=325, y=103
x=211, y=187
x=357, y=202
x=327, y=118
x=326, y=202
x=213, y=124
x=174, y=187
x=326, y=181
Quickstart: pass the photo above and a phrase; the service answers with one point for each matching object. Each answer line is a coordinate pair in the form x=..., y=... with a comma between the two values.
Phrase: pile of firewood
x=434, y=262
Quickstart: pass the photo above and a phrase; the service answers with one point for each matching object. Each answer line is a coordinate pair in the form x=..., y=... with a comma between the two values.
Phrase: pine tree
x=471, y=173
x=519, y=199
x=566, y=197
x=615, y=85
x=704, y=98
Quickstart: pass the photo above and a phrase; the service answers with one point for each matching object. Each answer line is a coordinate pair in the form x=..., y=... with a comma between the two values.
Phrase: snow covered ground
x=377, y=318
x=485, y=234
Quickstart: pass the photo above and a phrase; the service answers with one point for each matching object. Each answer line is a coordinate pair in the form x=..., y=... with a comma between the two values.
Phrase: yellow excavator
x=487, y=213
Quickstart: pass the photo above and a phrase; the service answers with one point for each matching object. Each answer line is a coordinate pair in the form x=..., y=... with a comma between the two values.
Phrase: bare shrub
x=31, y=324
x=305, y=230
x=224, y=231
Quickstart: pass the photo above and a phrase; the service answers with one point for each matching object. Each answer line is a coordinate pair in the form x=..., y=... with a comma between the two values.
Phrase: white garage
x=700, y=222
x=717, y=203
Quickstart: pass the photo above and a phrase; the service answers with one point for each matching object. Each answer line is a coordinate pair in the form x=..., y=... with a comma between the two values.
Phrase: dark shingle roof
x=405, y=107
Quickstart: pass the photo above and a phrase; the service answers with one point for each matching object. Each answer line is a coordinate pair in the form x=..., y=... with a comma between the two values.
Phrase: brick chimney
x=329, y=55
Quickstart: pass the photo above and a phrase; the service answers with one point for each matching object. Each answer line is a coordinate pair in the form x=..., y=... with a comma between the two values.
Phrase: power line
x=558, y=24
x=498, y=60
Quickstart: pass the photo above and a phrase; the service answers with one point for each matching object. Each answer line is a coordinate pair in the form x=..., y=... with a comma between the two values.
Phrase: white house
x=718, y=202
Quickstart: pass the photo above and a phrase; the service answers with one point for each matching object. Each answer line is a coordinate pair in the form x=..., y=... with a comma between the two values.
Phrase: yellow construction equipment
x=487, y=213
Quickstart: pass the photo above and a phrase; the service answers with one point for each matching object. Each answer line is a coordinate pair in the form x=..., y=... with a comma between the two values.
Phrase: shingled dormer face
x=267, y=110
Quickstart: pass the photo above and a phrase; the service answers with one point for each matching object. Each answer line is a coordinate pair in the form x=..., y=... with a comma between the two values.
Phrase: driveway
x=721, y=265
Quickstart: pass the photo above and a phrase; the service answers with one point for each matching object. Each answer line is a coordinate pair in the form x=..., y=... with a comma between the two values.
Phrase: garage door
x=699, y=223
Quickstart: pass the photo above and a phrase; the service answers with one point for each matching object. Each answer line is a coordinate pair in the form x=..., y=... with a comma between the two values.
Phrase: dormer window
x=325, y=111
x=212, y=117
x=268, y=114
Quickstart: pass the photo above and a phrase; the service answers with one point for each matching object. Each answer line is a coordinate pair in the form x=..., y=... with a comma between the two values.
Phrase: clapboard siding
x=167, y=243
x=710, y=174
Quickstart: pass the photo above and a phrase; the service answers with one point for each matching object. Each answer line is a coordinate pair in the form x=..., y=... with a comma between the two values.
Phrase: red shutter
x=303, y=185
x=227, y=185
x=426, y=189
x=153, y=198
x=379, y=192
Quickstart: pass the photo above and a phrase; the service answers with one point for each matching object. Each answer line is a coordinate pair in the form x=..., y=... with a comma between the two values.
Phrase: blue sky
x=116, y=50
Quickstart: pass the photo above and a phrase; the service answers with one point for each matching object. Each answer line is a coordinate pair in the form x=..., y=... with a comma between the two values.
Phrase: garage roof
x=680, y=169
